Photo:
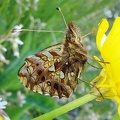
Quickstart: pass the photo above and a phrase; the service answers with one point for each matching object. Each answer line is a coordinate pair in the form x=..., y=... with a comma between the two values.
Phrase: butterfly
x=55, y=70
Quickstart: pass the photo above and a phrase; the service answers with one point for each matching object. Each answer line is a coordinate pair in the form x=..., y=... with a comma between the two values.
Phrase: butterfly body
x=55, y=70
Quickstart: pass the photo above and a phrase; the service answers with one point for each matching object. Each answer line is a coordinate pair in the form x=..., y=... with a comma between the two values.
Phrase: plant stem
x=70, y=106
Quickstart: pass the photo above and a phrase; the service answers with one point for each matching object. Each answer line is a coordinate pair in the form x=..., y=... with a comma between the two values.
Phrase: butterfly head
x=73, y=33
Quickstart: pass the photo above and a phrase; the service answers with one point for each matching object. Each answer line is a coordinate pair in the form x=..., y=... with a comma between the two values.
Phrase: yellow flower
x=108, y=81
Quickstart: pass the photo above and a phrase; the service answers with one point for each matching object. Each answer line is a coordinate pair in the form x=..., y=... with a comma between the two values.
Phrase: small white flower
x=5, y=94
x=3, y=59
x=27, y=5
x=15, y=40
x=18, y=41
x=2, y=104
x=108, y=13
x=21, y=98
x=16, y=30
x=12, y=37
x=36, y=23
x=36, y=1
x=3, y=48
x=3, y=115
x=15, y=49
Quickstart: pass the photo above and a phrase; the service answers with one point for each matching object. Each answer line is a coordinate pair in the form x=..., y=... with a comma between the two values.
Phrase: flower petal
x=111, y=45
x=102, y=28
x=108, y=81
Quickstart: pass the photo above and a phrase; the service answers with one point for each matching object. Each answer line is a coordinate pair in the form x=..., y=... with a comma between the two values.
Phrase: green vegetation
x=43, y=15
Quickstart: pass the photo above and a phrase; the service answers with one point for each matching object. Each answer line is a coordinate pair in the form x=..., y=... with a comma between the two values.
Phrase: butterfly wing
x=48, y=72
x=55, y=70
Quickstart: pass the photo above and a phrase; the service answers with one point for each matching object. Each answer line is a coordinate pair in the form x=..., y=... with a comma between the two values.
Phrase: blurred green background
x=24, y=104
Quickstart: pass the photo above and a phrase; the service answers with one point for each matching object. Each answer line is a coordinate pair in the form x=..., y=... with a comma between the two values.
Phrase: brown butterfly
x=55, y=70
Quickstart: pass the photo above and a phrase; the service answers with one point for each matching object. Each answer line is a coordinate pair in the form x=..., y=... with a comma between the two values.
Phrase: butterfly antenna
x=87, y=34
x=30, y=30
x=58, y=8
x=90, y=32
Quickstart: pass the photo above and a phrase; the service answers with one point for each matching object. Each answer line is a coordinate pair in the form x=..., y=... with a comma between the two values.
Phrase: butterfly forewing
x=55, y=70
